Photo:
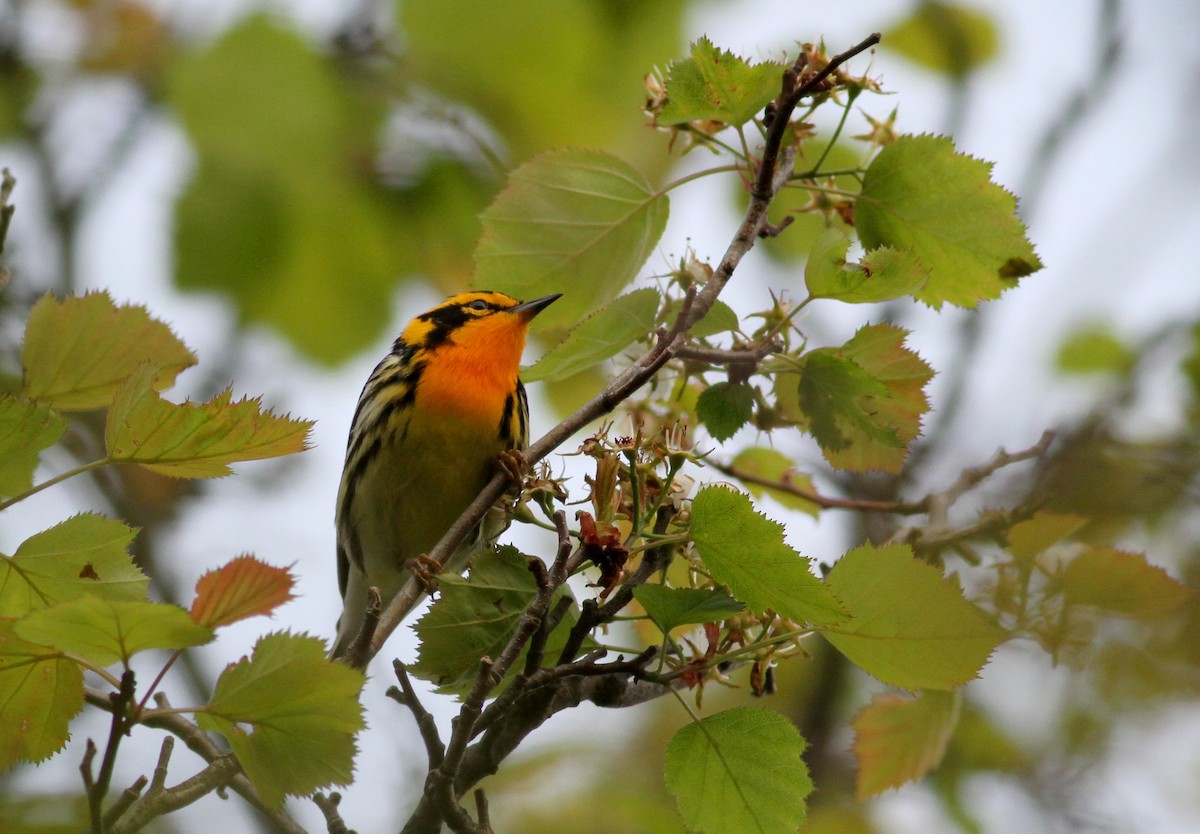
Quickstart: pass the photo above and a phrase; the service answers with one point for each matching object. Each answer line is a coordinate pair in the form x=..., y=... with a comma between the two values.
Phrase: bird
x=431, y=423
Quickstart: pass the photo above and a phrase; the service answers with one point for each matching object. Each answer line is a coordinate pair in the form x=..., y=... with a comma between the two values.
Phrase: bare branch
x=329, y=807
x=406, y=695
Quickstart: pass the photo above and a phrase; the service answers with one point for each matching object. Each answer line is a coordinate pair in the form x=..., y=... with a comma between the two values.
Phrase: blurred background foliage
x=340, y=152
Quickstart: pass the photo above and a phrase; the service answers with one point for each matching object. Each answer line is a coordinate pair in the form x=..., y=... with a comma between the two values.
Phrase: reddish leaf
x=243, y=588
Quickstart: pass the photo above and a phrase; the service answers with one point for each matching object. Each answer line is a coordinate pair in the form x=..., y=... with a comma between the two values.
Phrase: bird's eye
x=478, y=304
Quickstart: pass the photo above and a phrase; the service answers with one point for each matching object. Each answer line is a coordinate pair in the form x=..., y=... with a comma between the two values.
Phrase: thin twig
x=329, y=808
x=406, y=695
x=827, y=502
x=89, y=787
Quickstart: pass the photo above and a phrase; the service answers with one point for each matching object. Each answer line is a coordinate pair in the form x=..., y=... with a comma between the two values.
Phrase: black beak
x=529, y=309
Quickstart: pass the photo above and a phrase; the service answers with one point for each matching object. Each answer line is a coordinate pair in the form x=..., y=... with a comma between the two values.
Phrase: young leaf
x=474, y=617
x=725, y=407
x=739, y=772
x=746, y=552
x=105, y=631
x=106, y=344
x=40, y=692
x=600, y=336
x=674, y=607
x=302, y=712
x=715, y=85
x=580, y=222
x=195, y=441
x=773, y=465
x=26, y=429
x=879, y=350
x=1122, y=583
x=86, y=554
x=883, y=274
x=918, y=194
x=898, y=738
x=242, y=588
x=910, y=627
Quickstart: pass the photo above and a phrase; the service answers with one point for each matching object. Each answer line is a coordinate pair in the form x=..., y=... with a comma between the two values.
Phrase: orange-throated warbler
x=431, y=422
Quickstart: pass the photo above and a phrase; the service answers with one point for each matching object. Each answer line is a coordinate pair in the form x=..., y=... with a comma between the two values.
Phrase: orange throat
x=470, y=377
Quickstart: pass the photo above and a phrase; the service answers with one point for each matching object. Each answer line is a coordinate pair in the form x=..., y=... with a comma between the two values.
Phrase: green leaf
x=773, y=465
x=879, y=350
x=919, y=195
x=883, y=274
x=301, y=711
x=838, y=398
x=945, y=37
x=579, y=222
x=739, y=771
x=1095, y=350
x=674, y=607
x=40, y=691
x=724, y=408
x=493, y=58
x=899, y=738
x=1122, y=583
x=474, y=617
x=25, y=430
x=104, y=631
x=80, y=350
x=285, y=184
x=716, y=85
x=600, y=336
x=746, y=551
x=195, y=440
x=910, y=627
x=720, y=318
x=86, y=554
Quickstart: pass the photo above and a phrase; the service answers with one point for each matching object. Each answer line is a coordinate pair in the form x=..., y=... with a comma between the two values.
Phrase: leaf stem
x=695, y=175
x=57, y=479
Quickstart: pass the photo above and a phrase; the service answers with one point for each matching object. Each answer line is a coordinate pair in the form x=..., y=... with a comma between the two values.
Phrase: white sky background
x=1113, y=226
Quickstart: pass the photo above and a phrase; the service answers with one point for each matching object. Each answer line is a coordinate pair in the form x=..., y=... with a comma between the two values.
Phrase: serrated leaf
x=600, y=336
x=739, y=771
x=474, y=617
x=40, y=691
x=579, y=222
x=26, y=429
x=674, y=607
x=86, y=554
x=242, y=588
x=1122, y=583
x=724, y=408
x=910, y=627
x=882, y=275
x=716, y=85
x=1026, y=539
x=899, y=738
x=919, y=195
x=773, y=465
x=302, y=711
x=879, y=350
x=746, y=552
x=80, y=350
x=837, y=398
x=195, y=440
x=105, y=631
x=945, y=37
